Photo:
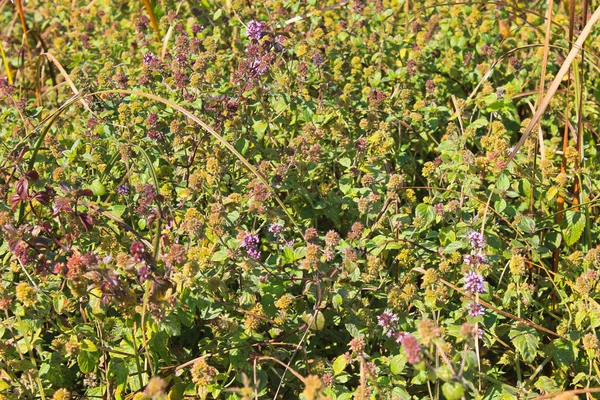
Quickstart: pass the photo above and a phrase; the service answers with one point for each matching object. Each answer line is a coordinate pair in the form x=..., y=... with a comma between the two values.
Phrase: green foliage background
x=362, y=142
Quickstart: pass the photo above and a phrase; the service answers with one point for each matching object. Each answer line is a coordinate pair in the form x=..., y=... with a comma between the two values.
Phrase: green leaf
x=87, y=361
x=398, y=363
x=339, y=365
x=527, y=225
x=318, y=323
x=88, y=345
x=426, y=212
x=400, y=393
x=551, y=193
x=171, y=325
x=526, y=341
x=345, y=161
x=117, y=210
x=562, y=353
x=98, y=188
x=220, y=255
x=260, y=126
x=503, y=182
x=217, y=15
x=452, y=247
x=575, y=227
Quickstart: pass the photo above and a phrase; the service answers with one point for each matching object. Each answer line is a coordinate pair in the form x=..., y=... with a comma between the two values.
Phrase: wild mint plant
x=298, y=200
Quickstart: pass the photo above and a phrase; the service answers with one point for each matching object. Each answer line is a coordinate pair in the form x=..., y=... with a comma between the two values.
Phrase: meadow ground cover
x=288, y=199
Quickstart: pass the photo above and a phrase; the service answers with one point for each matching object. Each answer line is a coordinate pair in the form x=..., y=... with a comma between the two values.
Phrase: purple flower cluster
x=276, y=228
x=140, y=255
x=474, y=283
x=476, y=310
x=254, y=30
x=387, y=320
x=477, y=240
x=475, y=260
x=123, y=190
x=150, y=59
x=250, y=243
x=411, y=346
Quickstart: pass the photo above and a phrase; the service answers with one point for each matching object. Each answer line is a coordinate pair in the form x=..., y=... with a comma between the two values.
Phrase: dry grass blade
x=540, y=134
x=65, y=75
x=9, y=75
x=556, y=82
x=544, y=68
x=153, y=19
x=566, y=394
x=24, y=24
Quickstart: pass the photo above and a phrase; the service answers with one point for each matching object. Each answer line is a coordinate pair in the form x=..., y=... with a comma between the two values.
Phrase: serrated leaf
x=87, y=361
x=562, y=353
x=527, y=225
x=526, y=341
x=260, y=126
x=503, y=182
x=220, y=255
x=426, y=212
x=575, y=227
x=339, y=365
x=551, y=193
x=398, y=363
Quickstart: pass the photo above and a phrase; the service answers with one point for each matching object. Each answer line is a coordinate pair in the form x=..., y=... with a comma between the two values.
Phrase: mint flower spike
x=474, y=283
x=254, y=30
x=477, y=240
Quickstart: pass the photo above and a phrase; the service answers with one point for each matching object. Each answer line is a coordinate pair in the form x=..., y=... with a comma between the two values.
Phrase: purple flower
x=150, y=58
x=250, y=241
x=469, y=260
x=144, y=272
x=254, y=30
x=258, y=66
x=481, y=259
x=411, y=346
x=154, y=134
x=136, y=248
x=276, y=228
x=386, y=319
x=476, y=310
x=123, y=190
x=254, y=253
x=477, y=240
x=475, y=260
x=317, y=59
x=474, y=283
x=278, y=45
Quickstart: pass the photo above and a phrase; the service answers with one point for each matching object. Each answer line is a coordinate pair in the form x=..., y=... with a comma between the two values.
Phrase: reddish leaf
x=33, y=175
x=14, y=201
x=62, y=204
x=84, y=192
x=23, y=189
x=86, y=220
x=42, y=197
